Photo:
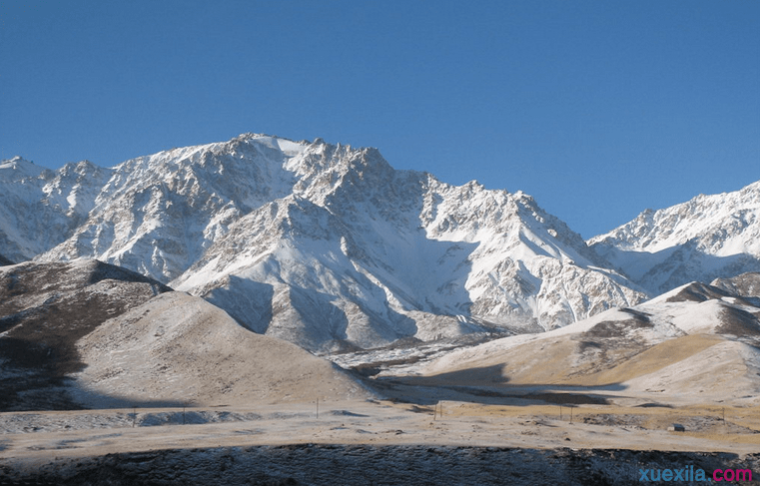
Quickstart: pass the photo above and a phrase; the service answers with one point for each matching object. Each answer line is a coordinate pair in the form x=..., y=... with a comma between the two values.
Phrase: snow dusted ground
x=370, y=442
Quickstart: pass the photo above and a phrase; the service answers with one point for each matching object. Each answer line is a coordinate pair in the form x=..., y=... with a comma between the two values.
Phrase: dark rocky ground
x=310, y=464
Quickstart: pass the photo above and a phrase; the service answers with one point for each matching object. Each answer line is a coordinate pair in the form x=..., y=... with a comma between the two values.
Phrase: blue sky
x=599, y=109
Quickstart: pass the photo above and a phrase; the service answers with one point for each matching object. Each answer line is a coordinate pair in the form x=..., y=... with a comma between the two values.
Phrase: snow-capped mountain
x=324, y=245
x=380, y=254
x=699, y=240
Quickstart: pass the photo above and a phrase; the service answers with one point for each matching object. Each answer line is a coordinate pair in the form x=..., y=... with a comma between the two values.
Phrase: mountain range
x=329, y=247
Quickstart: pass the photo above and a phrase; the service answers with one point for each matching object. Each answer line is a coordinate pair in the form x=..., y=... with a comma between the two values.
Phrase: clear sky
x=598, y=109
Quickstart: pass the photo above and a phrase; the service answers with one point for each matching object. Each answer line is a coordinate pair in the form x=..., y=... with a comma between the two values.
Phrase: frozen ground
x=374, y=441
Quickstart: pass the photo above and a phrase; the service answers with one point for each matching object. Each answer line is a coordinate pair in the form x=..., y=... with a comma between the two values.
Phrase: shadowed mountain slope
x=745, y=285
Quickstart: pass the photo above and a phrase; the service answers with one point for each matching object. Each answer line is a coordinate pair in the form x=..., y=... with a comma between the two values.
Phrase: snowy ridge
x=702, y=239
x=330, y=247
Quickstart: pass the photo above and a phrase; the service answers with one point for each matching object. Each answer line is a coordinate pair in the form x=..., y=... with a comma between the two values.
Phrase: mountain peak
x=15, y=160
x=18, y=168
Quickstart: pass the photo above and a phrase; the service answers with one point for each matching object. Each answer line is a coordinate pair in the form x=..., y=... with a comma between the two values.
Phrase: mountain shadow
x=488, y=385
x=247, y=301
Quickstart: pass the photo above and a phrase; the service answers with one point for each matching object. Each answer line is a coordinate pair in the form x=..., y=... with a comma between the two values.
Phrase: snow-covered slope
x=330, y=247
x=702, y=239
x=41, y=207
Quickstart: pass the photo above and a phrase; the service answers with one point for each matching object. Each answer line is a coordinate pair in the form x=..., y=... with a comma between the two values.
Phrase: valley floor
x=481, y=438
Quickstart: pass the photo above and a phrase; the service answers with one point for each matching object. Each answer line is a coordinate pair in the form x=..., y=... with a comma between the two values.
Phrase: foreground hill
x=88, y=334
x=178, y=349
x=44, y=310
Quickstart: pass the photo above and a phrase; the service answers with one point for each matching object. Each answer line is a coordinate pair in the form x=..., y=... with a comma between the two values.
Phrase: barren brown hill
x=45, y=308
x=180, y=349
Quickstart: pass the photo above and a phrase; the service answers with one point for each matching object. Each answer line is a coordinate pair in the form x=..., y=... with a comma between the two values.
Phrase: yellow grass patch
x=653, y=359
x=559, y=362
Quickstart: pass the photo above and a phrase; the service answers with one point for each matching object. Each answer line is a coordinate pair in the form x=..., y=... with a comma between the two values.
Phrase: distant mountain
x=4, y=261
x=699, y=240
x=326, y=245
